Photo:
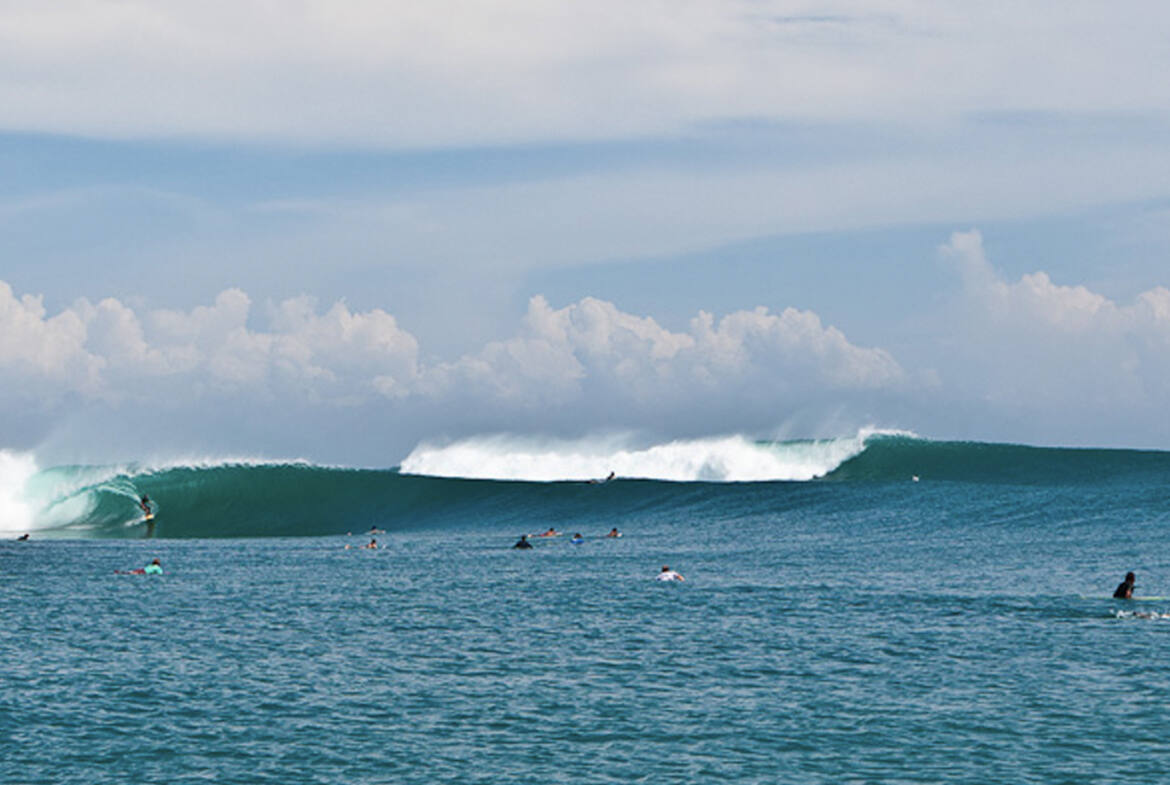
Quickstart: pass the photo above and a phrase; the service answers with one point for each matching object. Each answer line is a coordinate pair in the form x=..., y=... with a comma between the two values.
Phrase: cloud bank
x=461, y=73
x=1032, y=359
x=588, y=363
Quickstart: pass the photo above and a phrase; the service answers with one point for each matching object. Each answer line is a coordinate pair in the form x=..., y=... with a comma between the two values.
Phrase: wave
x=521, y=483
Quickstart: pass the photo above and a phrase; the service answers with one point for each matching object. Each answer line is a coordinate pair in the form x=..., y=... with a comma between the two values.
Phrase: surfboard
x=1135, y=598
x=149, y=517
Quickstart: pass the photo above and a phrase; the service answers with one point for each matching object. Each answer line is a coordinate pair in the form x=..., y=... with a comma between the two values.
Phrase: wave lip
x=733, y=458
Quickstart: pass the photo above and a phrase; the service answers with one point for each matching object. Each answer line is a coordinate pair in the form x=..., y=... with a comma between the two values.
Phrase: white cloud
x=50, y=350
x=588, y=359
x=592, y=351
x=458, y=72
x=1036, y=344
x=106, y=352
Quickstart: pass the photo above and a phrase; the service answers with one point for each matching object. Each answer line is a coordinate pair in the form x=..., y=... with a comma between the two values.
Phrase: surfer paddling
x=668, y=574
x=154, y=568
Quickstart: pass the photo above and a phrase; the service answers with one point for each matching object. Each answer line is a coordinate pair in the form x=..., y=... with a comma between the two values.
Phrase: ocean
x=880, y=608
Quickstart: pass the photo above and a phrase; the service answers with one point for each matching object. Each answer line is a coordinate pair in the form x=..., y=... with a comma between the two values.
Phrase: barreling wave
x=521, y=483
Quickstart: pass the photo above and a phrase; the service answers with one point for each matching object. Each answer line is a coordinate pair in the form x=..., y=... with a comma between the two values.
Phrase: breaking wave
x=524, y=483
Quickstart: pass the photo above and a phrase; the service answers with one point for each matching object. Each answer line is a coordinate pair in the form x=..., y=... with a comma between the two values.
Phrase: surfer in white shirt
x=668, y=574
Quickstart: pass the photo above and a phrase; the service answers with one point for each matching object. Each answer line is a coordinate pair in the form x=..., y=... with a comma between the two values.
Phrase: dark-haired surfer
x=523, y=543
x=668, y=574
x=154, y=568
x=22, y=538
x=1124, y=589
x=144, y=503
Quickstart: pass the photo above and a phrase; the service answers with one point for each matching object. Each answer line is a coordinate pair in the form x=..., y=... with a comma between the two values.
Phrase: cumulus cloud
x=589, y=361
x=1037, y=344
x=592, y=351
x=107, y=352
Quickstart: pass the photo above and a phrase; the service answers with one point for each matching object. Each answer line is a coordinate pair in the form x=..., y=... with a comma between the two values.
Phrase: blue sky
x=375, y=224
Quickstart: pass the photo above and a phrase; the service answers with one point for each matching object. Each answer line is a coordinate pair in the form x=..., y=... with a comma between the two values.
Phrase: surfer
x=22, y=538
x=144, y=503
x=577, y=539
x=523, y=543
x=602, y=482
x=372, y=545
x=154, y=568
x=1124, y=590
x=668, y=574
x=614, y=532
x=550, y=533
x=375, y=530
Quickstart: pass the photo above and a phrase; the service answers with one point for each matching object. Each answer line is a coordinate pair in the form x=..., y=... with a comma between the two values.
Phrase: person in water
x=22, y=538
x=523, y=543
x=668, y=574
x=614, y=532
x=373, y=544
x=154, y=568
x=1124, y=590
x=144, y=503
x=550, y=533
x=577, y=539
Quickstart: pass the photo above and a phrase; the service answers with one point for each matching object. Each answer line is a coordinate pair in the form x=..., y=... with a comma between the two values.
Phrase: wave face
x=528, y=486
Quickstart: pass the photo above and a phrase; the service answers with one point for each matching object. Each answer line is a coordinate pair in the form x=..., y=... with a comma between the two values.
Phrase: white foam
x=721, y=459
x=16, y=512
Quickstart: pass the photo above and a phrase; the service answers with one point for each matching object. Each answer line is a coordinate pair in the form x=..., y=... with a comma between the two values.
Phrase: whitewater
x=512, y=478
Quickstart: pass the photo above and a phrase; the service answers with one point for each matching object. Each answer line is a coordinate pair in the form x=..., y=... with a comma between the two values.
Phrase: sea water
x=861, y=627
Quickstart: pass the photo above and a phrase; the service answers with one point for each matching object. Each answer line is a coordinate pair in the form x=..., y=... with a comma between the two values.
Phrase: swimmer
x=523, y=543
x=668, y=574
x=614, y=532
x=1124, y=590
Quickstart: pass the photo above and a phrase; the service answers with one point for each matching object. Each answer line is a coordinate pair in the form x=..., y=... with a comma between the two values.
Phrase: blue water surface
x=826, y=633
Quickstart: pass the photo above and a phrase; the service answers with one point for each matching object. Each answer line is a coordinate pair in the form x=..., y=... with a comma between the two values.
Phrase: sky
x=335, y=230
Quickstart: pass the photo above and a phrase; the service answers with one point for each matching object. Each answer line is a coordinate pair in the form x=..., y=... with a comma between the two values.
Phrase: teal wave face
x=892, y=457
x=300, y=499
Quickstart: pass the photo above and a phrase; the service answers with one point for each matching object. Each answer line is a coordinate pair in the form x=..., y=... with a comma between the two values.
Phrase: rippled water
x=958, y=633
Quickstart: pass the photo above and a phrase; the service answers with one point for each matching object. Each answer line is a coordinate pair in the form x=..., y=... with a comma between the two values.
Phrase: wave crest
x=722, y=459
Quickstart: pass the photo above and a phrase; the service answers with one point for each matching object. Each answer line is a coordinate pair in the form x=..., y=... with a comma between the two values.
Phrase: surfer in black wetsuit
x=22, y=538
x=144, y=503
x=523, y=544
x=1124, y=589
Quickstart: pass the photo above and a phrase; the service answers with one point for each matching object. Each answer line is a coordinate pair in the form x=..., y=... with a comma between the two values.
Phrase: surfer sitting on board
x=1124, y=589
x=523, y=543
